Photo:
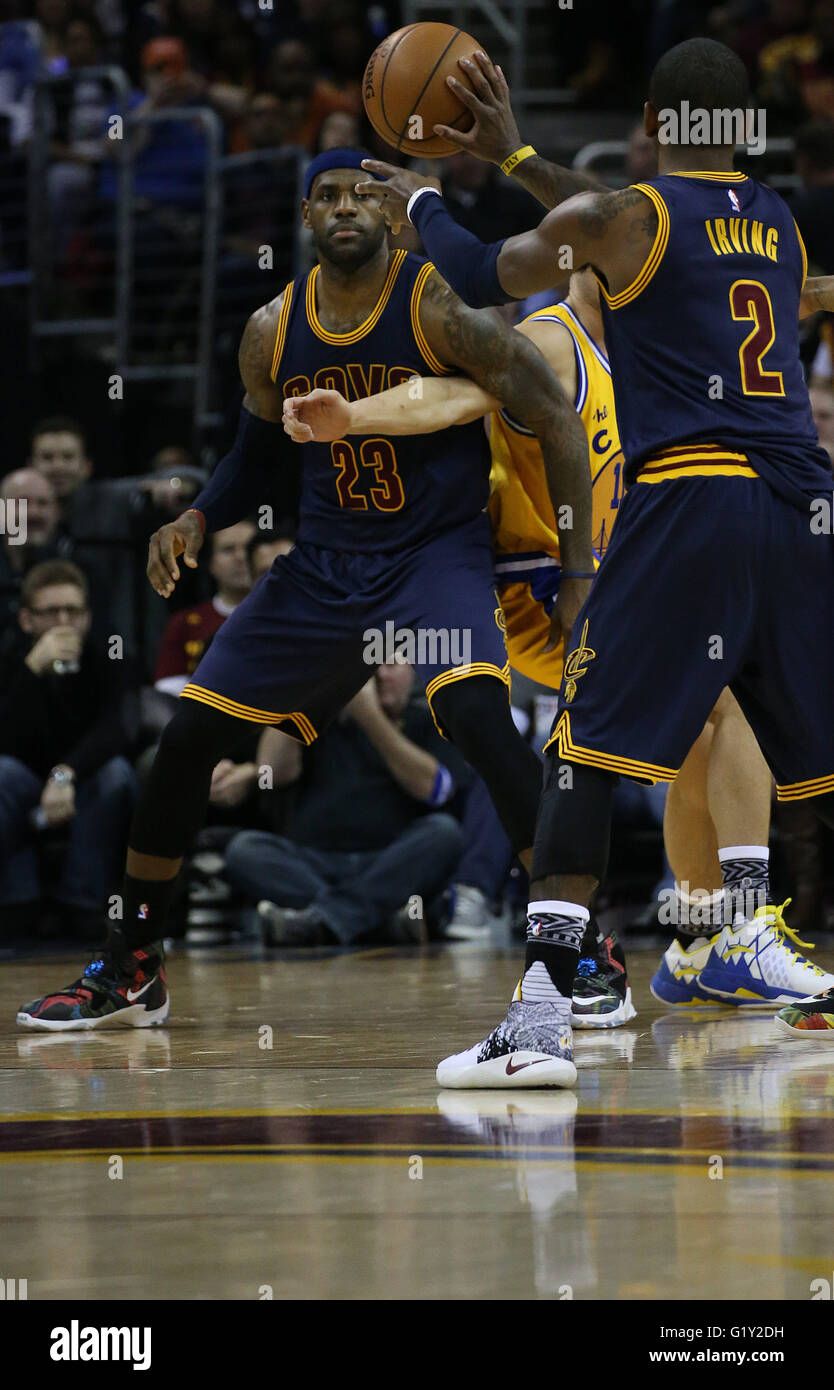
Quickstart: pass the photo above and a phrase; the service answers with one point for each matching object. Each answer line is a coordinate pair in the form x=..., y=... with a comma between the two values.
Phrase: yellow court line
x=423, y=1109
x=694, y=1170
x=303, y=1147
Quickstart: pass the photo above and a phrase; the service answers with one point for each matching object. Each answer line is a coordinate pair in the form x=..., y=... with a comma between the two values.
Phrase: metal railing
x=167, y=232
x=260, y=245
x=75, y=265
x=607, y=159
x=155, y=247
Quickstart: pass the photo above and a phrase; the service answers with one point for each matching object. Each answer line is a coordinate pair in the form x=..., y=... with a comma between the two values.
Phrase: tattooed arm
x=612, y=232
x=510, y=369
x=551, y=183
x=494, y=135
x=422, y=405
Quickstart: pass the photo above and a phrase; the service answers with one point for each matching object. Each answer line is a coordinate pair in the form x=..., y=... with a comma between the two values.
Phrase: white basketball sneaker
x=532, y=1047
x=757, y=962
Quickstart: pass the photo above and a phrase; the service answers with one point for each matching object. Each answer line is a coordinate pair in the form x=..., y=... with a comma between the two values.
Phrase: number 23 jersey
x=377, y=494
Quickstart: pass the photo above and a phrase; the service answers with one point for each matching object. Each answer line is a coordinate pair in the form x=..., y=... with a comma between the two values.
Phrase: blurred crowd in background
x=99, y=474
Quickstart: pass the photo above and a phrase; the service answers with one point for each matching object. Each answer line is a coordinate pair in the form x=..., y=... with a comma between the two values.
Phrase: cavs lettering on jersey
x=393, y=536
x=376, y=495
x=524, y=527
x=725, y=395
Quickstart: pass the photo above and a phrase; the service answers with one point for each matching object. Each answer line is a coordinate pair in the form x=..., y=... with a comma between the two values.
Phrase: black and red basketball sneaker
x=601, y=992
x=119, y=988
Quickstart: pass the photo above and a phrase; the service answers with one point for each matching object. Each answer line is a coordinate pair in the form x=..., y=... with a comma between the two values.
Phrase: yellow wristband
x=513, y=159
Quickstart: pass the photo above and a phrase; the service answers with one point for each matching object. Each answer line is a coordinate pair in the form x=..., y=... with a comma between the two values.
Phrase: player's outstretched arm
x=817, y=294
x=613, y=232
x=420, y=406
x=494, y=136
x=511, y=369
x=242, y=479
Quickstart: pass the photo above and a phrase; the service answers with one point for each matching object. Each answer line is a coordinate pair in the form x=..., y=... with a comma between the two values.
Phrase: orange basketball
x=404, y=87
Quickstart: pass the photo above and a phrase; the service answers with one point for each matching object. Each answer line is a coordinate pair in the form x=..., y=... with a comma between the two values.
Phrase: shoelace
x=771, y=916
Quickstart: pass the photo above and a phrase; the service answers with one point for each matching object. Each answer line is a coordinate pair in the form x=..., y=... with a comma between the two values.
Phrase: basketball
x=404, y=87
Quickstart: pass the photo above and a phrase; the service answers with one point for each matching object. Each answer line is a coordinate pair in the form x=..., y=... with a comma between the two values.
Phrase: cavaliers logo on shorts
x=577, y=664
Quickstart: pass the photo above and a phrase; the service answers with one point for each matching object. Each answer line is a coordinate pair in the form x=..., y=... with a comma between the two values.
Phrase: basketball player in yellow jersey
x=720, y=800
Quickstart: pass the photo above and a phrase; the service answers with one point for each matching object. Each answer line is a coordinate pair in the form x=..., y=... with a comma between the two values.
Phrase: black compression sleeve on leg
x=574, y=824
x=244, y=479
x=172, y=806
x=476, y=714
x=823, y=806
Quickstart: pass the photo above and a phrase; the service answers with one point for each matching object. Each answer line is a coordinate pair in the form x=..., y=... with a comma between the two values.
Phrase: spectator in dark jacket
x=368, y=834
x=64, y=733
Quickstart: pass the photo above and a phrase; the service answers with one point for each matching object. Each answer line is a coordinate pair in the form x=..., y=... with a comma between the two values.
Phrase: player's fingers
x=477, y=76
x=503, y=85
x=372, y=187
x=158, y=578
x=192, y=550
x=166, y=553
x=458, y=137
x=378, y=166
x=475, y=105
x=298, y=431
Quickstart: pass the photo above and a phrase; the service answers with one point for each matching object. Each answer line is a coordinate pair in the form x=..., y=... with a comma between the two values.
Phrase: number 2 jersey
x=704, y=344
x=365, y=493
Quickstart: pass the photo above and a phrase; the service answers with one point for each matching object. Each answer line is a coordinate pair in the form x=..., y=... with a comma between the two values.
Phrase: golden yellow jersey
x=524, y=527
x=520, y=509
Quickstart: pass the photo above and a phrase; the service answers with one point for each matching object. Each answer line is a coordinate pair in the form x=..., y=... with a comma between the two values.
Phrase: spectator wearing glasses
x=65, y=730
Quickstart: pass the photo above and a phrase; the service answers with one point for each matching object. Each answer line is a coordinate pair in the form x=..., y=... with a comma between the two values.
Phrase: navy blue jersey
x=371, y=493
x=704, y=345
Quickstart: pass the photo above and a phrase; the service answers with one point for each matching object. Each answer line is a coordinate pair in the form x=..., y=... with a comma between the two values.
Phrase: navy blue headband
x=336, y=159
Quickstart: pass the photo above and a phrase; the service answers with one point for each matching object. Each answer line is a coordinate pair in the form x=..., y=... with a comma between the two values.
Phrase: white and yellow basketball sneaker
x=757, y=962
x=677, y=979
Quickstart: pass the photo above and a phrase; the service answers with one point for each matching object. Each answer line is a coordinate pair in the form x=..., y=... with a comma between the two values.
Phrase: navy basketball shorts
x=310, y=633
x=707, y=583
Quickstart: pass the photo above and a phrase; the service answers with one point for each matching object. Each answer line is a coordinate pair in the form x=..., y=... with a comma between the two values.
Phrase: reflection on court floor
x=285, y=1138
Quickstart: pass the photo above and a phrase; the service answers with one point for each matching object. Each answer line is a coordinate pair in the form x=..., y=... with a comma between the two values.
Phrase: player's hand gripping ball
x=405, y=91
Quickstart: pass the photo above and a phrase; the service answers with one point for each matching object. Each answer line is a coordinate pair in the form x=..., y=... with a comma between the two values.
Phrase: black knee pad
x=574, y=825
x=824, y=807
x=474, y=713
x=198, y=734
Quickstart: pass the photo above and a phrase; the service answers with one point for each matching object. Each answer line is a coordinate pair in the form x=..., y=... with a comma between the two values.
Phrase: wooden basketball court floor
x=694, y=1160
